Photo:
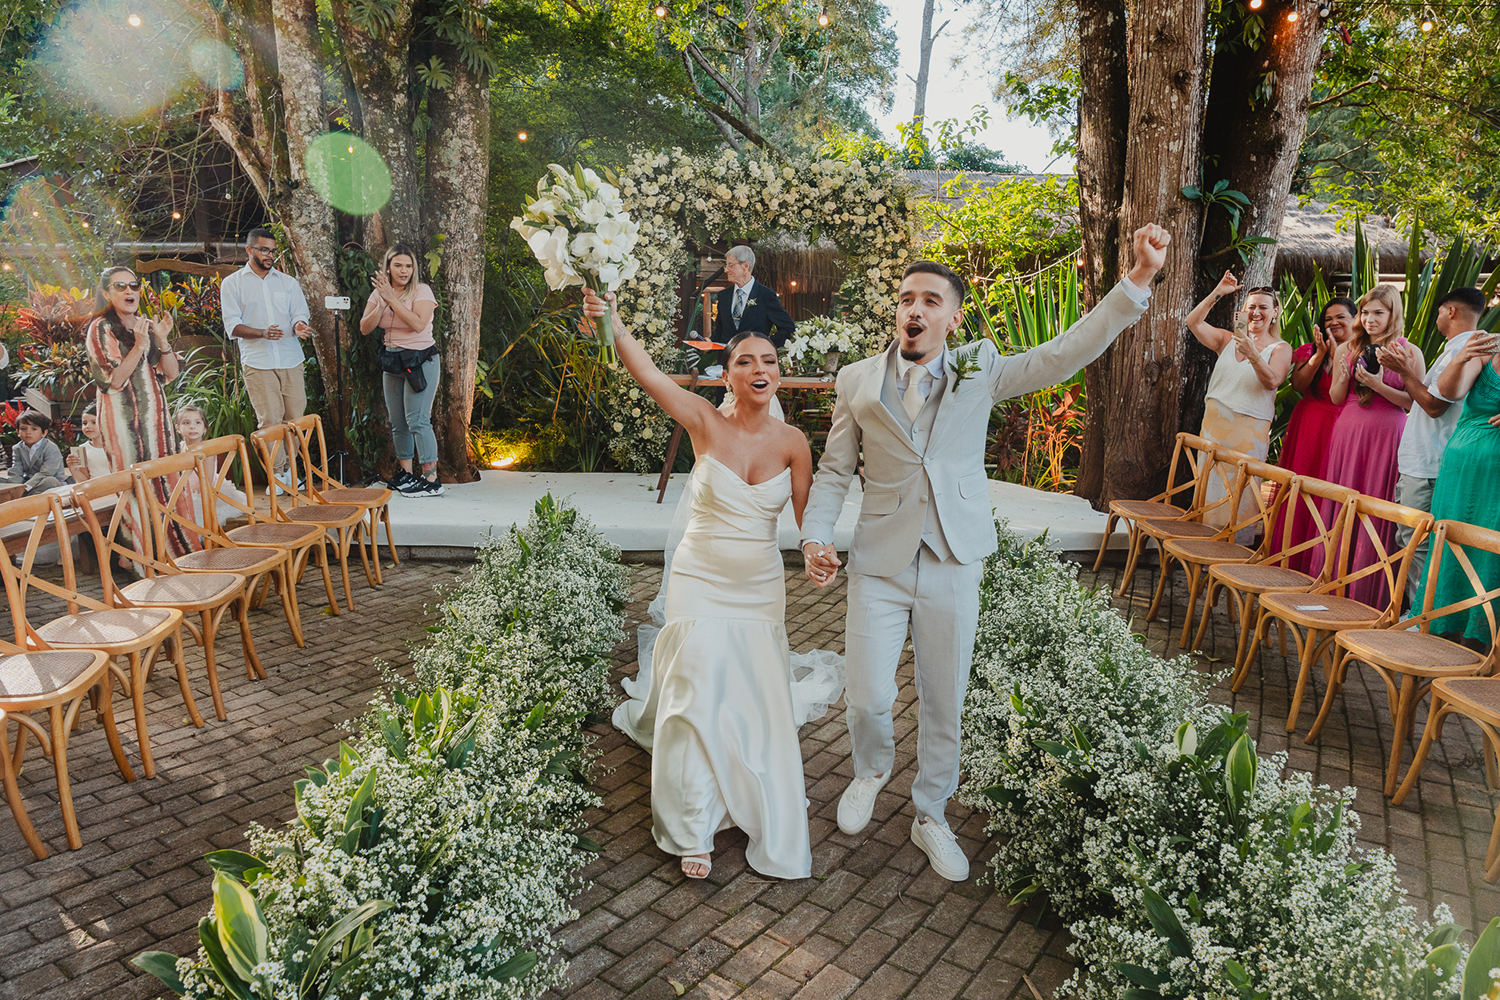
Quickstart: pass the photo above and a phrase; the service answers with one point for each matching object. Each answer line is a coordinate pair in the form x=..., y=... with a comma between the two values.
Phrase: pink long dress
x=1362, y=456
x=1304, y=448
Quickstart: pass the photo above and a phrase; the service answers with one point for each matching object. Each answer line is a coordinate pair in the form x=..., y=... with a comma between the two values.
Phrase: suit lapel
x=945, y=401
x=874, y=390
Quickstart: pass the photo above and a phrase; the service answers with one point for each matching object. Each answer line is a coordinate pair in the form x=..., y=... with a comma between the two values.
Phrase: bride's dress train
x=719, y=697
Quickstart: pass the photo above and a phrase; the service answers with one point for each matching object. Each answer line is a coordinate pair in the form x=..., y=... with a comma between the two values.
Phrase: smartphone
x=1372, y=364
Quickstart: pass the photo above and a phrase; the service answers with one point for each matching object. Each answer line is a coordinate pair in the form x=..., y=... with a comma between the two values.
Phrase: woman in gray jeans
x=402, y=304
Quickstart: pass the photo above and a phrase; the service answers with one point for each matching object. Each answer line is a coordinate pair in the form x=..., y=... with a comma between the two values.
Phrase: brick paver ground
x=873, y=922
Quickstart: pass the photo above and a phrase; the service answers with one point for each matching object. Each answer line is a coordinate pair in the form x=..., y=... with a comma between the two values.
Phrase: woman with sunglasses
x=1253, y=362
x=1305, y=443
x=132, y=358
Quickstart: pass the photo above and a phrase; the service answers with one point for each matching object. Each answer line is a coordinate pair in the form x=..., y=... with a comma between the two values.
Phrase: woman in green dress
x=1466, y=488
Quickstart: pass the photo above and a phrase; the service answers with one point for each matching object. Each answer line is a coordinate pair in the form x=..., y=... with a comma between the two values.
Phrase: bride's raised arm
x=689, y=409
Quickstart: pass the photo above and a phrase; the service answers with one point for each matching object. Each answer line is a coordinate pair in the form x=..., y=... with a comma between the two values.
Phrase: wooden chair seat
x=267, y=535
x=1163, y=530
x=114, y=631
x=184, y=590
x=40, y=672
x=1479, y=697
x=1320, y=611
x=1207, y=551
x=363, y=497
x=1260, y=578
x=1420, y=653
x=1145, y=508
x=333, y=515
x=305, y=438
x=247, y=561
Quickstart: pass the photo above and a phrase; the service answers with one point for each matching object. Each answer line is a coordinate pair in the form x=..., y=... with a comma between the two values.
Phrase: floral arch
x=864, y=208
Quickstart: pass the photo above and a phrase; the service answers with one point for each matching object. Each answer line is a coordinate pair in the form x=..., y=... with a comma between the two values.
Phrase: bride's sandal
x=700, y=865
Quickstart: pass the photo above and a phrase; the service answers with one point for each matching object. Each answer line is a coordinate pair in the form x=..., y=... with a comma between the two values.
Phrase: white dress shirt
x=1420, y=453
x=275, y=300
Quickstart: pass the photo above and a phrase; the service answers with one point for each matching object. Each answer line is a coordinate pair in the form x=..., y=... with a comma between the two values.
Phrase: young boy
x=36, y=460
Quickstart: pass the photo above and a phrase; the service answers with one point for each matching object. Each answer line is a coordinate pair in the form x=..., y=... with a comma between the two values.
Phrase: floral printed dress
x=134, y=422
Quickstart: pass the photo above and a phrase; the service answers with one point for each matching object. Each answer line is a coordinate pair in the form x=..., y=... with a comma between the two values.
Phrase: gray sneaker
x=423, y=487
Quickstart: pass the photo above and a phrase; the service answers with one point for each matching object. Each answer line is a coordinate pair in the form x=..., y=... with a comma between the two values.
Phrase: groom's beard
x=911, y=354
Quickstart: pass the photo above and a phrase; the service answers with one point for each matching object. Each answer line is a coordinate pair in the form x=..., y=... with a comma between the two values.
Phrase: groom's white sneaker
x=857, y=803
x=941, y=848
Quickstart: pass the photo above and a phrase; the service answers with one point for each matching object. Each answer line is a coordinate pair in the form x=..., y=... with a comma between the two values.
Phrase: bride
x=713, y=702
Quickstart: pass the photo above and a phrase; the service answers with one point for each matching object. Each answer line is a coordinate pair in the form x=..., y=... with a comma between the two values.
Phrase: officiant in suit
x=747, y=304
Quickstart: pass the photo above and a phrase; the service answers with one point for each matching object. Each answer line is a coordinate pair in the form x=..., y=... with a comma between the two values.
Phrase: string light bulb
x=1291, y=15
x=1255, y=4
x=823, y=18
x=176, y=215
x=134, y=20
x=1426, y=24
x=661, y=10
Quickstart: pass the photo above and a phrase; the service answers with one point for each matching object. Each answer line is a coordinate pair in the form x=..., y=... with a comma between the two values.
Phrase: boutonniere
x=963, y=364
x=749, y=302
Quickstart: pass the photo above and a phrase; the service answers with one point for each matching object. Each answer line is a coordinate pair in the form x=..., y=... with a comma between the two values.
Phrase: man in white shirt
x=1432, y=418
x=261, y=306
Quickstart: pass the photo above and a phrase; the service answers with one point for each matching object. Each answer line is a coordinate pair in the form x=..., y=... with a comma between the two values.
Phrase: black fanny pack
x=408, y=364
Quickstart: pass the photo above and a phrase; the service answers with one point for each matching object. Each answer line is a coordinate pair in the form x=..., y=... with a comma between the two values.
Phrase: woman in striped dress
x=132, y=358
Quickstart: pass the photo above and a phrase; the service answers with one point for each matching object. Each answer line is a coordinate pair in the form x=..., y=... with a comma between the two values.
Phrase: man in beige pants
x=261, y=304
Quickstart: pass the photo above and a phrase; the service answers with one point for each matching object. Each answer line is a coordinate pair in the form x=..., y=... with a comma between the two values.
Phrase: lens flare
x=123, y=73
x=216, y=64
x=46, y=232
x=348, y=173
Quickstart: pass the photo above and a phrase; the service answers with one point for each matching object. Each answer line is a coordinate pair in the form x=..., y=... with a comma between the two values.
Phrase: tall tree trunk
x=379, y=67
x=1140, y=409
x=308, y=219
x=1103, y=120
x=1256, y=151
x=924, y=65
x=458, y=181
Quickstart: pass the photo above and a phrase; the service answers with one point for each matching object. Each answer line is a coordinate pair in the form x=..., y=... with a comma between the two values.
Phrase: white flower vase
x=830, y=365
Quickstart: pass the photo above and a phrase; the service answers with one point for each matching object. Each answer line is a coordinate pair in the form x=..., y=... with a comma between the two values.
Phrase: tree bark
x=307, y=218
x=458, y=179
x=1163, y=153
x=1103, y=120
x=379, y=67
x=1253, y=142
x=924, y=65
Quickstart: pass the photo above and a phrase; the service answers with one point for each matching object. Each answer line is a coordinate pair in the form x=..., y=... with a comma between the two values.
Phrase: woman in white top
x=1241, y=399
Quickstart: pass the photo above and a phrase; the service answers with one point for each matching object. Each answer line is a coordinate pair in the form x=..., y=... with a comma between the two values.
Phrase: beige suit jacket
x=903, y=478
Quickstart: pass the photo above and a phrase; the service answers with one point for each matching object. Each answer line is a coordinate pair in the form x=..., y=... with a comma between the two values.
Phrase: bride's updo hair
x=740, y=338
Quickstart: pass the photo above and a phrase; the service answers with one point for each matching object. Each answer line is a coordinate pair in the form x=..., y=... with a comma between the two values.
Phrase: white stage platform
x=624, y=507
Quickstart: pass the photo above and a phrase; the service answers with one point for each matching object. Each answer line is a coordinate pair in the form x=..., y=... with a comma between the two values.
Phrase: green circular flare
x=348, y=173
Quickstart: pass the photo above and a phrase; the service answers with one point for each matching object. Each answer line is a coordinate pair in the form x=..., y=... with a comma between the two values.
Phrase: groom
x=920, y=414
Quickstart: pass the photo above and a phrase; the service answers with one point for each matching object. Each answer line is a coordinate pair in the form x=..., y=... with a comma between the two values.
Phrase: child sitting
x=192, y=426
x=36, y=460
x=88, y=458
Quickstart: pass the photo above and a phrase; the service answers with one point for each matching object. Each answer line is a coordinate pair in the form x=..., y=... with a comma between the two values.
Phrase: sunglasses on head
x=120, y=286
x=1267, y=289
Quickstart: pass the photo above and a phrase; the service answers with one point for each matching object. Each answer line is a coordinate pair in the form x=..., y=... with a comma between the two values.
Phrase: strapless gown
x=714, y=701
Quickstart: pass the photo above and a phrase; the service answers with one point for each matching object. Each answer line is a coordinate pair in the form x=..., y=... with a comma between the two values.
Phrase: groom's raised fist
x=1149, y=245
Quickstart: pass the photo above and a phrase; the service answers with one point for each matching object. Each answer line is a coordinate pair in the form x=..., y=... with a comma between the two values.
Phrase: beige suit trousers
x=278, y=395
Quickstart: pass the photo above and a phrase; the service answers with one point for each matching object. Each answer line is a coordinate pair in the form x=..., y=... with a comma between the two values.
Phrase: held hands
x=822, y=563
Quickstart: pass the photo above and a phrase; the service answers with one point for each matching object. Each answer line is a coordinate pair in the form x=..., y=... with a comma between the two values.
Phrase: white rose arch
x=864, y=208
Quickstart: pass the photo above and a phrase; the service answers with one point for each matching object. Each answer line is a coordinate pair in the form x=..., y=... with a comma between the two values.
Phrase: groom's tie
x=916, y=390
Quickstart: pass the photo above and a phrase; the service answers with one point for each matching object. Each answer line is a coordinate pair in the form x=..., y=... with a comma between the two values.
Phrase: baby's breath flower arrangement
x=817, y=337
x=863, y=207
x=436, y=855
x=1183, y=864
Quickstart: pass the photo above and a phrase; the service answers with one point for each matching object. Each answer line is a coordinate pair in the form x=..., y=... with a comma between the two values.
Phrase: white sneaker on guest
x=941, y=848
x=857, y=804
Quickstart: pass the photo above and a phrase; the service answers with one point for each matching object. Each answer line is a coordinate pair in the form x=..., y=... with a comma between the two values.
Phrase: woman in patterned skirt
x=132, y=358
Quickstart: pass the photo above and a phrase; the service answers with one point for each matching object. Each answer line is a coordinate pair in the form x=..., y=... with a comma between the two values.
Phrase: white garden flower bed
x=1183, y=865
x=436, y=856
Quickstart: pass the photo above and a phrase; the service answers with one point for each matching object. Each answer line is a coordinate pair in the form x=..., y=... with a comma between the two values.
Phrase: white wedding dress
x=719, y=698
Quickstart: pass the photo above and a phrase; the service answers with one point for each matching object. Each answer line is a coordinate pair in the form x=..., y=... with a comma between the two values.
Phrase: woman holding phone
x=1241, y=399
x=1362, y=447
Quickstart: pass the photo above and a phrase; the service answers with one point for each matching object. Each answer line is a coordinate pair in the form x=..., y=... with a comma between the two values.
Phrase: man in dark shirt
x=747, y=304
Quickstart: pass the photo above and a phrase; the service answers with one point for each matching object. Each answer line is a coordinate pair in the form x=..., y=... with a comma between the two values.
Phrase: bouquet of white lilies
x=580, y=232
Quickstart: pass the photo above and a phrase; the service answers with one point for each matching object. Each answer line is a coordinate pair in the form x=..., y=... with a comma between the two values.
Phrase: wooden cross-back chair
x=1271, y=571
x=321, y=485
x=54, y=681
x=165, y=483
x=1457, y=676
x=1191, y=449
x=208, y=596
x=1317, y=615
x=343, y=523
x=1198, y=555
x=224, y=460
x=136, y=634
x=1223, y=469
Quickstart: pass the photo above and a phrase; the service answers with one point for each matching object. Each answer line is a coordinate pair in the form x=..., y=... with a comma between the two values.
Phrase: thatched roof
x=1314, y=235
